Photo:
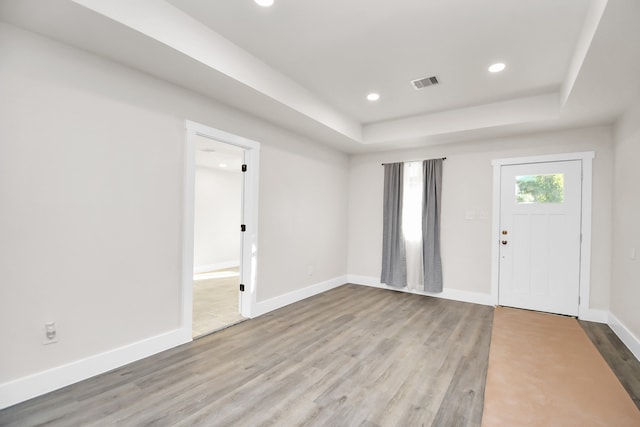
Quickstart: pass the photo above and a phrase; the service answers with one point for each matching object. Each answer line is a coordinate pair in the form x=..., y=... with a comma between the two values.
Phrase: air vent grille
x=425, y=82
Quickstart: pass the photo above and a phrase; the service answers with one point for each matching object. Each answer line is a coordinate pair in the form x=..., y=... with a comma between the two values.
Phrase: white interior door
x=540, y=213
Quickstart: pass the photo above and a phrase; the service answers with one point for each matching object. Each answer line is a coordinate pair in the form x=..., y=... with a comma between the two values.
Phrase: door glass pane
x=540, y=188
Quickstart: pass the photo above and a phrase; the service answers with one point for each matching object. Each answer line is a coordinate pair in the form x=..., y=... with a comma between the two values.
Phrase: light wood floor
x=215, y=301
x=353, y=356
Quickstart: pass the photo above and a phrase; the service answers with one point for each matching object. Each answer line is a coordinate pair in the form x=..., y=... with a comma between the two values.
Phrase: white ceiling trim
x=164, y=23
x=589, y=29
x=521, y=110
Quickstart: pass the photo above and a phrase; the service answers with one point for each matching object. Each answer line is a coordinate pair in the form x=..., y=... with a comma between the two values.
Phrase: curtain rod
x=408, y=161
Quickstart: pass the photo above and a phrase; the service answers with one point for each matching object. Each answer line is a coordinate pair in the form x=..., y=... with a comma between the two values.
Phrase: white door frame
x=250, y=214
x=585, y=227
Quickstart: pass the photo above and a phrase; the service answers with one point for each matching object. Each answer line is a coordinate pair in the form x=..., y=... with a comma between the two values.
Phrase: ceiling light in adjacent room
x=497, y=67
x=222, y=165
x=264, y=3
x=373, y=97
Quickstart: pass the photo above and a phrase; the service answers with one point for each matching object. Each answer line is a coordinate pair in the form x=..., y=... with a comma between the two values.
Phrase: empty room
x=319, y=213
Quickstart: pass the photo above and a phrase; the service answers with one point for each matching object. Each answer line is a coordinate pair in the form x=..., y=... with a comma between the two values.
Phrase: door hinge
x=241, y=287
x=244, y=168
x=243, y=227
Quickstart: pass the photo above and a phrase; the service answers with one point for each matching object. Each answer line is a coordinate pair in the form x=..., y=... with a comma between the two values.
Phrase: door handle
x=504, y=242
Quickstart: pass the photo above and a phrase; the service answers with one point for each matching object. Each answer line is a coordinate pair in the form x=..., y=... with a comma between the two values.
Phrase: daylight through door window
x=547, y=188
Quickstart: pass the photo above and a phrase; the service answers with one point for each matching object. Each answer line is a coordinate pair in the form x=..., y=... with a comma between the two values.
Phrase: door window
x=547, y=188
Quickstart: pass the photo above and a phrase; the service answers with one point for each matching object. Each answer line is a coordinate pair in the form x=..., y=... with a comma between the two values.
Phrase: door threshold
x=221, y=328
x=537, y=311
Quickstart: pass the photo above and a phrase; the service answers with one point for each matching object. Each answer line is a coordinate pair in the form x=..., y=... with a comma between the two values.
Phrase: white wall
x=91, y=170
x=625, y=286
x=306, y=208
x=467, y=186
x=217, y=218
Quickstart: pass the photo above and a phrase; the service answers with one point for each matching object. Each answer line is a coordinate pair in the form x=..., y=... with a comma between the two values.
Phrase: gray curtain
x=432, y=263
x=394, y=258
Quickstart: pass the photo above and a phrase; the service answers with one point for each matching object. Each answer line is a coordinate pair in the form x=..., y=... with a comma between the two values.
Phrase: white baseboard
x=626, y=336
x=263, y=307
x=451, y=294
x=217, y=266
x=593, y=315
x=21, y=389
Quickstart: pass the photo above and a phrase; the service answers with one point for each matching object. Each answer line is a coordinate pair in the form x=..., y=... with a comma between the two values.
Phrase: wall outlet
x=50, y=333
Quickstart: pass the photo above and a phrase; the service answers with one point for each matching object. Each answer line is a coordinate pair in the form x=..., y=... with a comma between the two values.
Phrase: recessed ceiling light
x=264, y=3
x=497, y=67
x=222, y=165
x=373, y=97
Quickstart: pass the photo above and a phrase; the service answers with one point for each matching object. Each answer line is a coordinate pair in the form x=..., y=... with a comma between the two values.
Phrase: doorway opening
x=217, y=238
x=220, y=229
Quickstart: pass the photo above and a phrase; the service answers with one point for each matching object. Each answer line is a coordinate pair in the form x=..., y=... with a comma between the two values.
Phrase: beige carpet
x=215, y=301
x=544, y=371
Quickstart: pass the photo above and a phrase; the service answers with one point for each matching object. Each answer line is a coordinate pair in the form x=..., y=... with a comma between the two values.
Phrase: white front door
x=540, y=213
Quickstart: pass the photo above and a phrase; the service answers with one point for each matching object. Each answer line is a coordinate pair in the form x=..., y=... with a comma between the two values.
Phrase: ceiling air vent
x=422, y=83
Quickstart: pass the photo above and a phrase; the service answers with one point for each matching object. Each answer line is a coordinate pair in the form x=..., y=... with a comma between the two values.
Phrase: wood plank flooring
x=353, y=356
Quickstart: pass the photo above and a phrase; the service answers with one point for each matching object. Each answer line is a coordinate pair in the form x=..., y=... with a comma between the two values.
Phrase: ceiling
x=218, y=155
x=308, y=65
x=342, y=50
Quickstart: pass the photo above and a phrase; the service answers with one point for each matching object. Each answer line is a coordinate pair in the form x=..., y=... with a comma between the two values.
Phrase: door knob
x=504, y=242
